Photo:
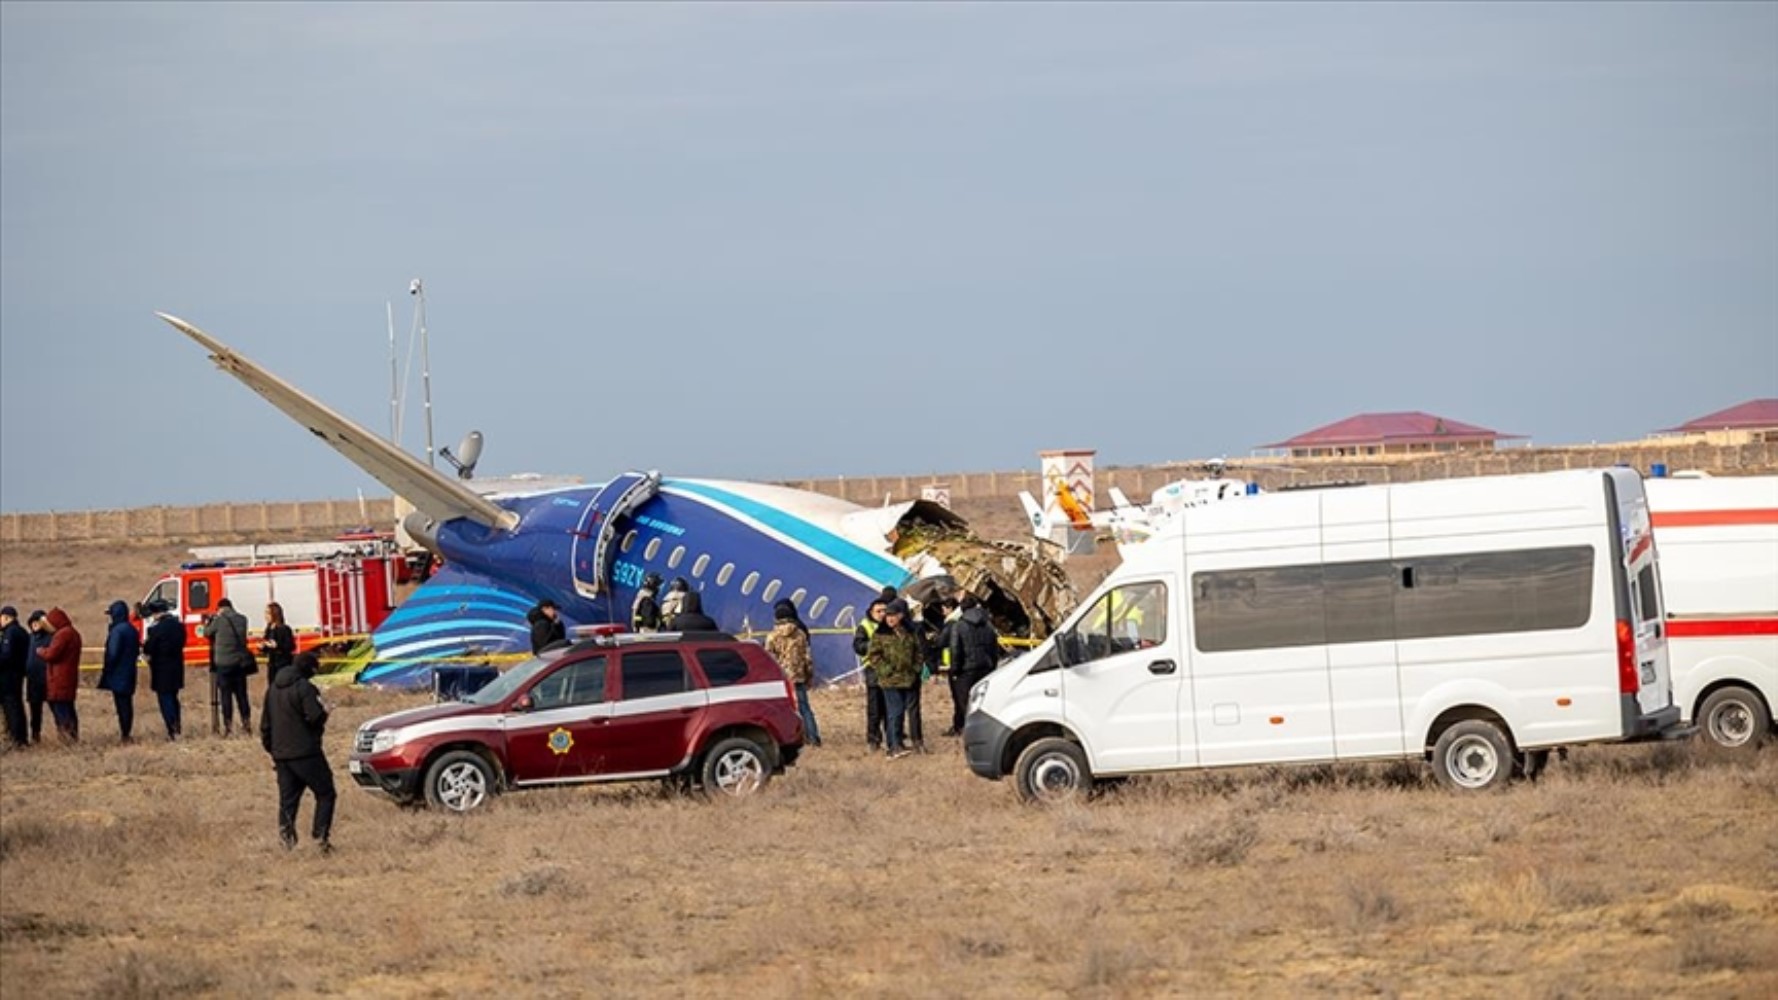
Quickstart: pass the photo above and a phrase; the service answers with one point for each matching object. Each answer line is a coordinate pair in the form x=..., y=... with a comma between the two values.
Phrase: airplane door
x=1121, y=692
x=597, y=531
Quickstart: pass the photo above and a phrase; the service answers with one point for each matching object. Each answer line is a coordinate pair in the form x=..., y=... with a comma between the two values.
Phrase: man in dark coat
x=546, y=626
x=291, y=725
x=975, y=651
x=691, y=616
x=232, y=661
x=15, y=651
x=118, y=676
x=37, y=673
x=165, y=649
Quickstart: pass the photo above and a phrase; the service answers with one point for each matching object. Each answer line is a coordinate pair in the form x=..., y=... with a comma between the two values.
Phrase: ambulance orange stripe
x=1714, y=518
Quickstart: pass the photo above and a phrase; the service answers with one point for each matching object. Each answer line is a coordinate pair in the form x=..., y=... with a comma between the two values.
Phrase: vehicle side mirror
x=523, y=703
x=1068, y=649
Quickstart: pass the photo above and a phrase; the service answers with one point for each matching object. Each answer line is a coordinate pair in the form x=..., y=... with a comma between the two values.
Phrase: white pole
x=425, y=369
x=394, y=385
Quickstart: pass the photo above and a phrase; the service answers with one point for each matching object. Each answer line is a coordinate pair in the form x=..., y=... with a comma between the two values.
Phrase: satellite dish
x=469, y=451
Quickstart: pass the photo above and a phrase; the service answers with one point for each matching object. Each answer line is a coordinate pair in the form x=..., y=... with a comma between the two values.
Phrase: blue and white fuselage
x=741, y=546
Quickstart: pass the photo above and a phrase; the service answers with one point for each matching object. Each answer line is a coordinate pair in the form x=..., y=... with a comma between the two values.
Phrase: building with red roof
x=1753, y=421
x=1411, y=433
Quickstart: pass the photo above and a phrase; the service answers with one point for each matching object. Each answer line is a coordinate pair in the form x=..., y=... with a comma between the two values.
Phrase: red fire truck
x=331, y=591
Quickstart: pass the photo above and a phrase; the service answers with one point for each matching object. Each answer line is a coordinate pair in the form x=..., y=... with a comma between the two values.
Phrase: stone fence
x=325, y=516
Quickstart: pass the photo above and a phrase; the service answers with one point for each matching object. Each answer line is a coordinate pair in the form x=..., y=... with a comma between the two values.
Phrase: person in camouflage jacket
x=789, y=645
x=896, y=654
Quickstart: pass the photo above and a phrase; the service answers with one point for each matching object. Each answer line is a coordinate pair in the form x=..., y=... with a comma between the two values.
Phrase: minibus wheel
x=1052, y=770
x=1734, y=718
x=1472, y=756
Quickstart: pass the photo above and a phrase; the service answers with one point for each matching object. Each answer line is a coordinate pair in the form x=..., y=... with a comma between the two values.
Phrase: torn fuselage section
x=1025, y=592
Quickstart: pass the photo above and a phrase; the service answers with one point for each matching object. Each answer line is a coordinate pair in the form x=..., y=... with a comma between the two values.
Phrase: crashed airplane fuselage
x=741, y=546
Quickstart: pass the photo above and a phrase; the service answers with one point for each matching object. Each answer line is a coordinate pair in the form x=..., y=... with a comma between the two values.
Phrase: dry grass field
x=153, y=870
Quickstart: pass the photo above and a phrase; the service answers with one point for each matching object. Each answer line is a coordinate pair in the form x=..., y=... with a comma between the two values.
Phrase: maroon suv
x=702, y=708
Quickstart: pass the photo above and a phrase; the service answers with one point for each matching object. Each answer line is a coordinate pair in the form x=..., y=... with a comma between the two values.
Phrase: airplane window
x=629, y=541
x=653, y=549
x=678, y=554
x=797, y=595
x=771, y=592
x=846, y=618
x=815, y=609
x=702, y=564
x=722, y=575
x=748, y=584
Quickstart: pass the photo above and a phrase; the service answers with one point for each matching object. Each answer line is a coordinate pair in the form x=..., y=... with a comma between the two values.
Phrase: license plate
x=355, y=766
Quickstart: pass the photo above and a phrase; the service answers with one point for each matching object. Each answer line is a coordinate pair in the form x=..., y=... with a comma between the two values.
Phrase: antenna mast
x=418, y=291
x=394, y=384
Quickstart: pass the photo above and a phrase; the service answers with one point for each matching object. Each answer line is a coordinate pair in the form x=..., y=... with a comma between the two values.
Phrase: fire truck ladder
x=336, y=598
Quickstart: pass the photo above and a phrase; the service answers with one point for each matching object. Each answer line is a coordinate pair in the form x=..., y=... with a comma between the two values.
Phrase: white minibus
x=1717, y=539
x=1476, y=623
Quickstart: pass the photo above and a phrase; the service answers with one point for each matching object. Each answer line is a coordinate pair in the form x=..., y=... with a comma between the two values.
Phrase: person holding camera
x=231, y=661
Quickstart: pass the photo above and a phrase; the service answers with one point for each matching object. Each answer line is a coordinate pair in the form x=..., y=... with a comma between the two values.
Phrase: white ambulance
x=1477, y=623
x=1718, y=545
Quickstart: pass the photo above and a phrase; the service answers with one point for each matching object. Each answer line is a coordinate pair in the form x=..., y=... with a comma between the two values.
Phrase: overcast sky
x=799, y=240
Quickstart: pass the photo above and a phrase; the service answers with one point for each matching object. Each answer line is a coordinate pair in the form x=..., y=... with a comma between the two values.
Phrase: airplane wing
x=440, y=497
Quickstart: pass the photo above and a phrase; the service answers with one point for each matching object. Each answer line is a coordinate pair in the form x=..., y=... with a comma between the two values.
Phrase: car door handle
x=1162, y=667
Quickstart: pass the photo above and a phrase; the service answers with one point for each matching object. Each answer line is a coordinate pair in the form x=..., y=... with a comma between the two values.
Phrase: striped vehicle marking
x=516, y=723
x=1715, y=518
x=582, y=779
x=1697, y=628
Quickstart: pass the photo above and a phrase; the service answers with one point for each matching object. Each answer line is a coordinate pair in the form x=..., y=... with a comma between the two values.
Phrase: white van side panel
x=1269, y=705
x=1523, y=677
x=1364, y=679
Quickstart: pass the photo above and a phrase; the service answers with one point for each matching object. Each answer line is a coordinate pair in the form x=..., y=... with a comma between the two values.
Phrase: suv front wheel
x=461, y=781
x=736, y=767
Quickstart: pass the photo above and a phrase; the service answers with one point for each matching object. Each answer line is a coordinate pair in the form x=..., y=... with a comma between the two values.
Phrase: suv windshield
x=515, y=678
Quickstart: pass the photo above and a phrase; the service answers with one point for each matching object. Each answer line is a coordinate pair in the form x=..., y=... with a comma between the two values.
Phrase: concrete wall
x=326, y=516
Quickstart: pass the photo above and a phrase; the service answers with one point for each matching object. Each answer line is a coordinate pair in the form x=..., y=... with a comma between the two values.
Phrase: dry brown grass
x=154, y=870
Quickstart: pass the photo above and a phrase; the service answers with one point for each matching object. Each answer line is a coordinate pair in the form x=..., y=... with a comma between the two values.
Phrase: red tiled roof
x=1390, y=428
x=1753, y=413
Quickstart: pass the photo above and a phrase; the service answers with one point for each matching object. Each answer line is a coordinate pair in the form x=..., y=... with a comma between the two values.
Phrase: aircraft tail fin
x=440, y=497
x=1118, y=499
x=1034, y=515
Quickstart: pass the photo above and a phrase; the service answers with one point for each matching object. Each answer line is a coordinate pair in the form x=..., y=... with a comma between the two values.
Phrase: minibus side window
x=1126, y=618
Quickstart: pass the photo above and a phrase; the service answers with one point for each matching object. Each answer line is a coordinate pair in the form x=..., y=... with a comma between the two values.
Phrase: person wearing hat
x=37, y=672
x=546, y=626
x=895, y=652
x=788, y=643
x=873, y=692
x=674, y=602
x=61, y=661
x=164, y=646
x=645, y=611
x=15, y=651
x=123, y=648
x=291, y=724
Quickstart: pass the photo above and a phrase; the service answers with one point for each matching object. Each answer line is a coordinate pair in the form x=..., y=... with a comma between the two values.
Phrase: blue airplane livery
x=742, y=546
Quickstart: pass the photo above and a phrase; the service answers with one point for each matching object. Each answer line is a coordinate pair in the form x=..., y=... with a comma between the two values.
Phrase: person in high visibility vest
x=873, y=692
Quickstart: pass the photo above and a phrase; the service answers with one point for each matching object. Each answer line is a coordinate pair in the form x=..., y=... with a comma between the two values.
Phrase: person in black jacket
x=975, y=651
x=546, y=626
x=37, y=673
x=291, y=724
x=164, y=645
x=691, y=616
x=15, y=651
x=645, y=611
x=279, y=644
x=123, y=647
x=875, y=712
